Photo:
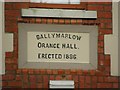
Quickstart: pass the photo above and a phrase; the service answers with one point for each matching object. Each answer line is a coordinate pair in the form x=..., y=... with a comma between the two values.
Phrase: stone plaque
x=58, y=47
x=48, y=46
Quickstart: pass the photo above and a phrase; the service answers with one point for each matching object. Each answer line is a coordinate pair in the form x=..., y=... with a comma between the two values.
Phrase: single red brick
x=24, y=71
x=58, y=77
x=101, y=37
x=15, y=83
x=87, y=85
x=36, y=71
x=42, y=71
x=10, y=61
x=92, y=3
x=9, y=23
x=95, y=7
x=25, y=85
x=44, y=20
x=80, y=72
x=67, y=71
x=106, y=20
x=104, y=14
x=8, y=77
x=33, y=85
x=87, y=81
x=8, y=6
x=100, y=44
x=107, y=2
x=11, y=29
x=10, y=67
x=46, y=78
x=30, y=71
x=76, y=86
x=99, y=73
x=94, y=85
x=73, y=21
x=50, y=21
x=101, y=68
x=69, y=77
x=18, y=77
x=4, y=84
x=107, y=57
x=99, y=2
x=100, y=79
x=40, y=85
x=94, y=79
x=55, y=71
x=107, y=62
x=101, y=62
x=10, y=19
x=105, y=31
x=82, y=82
x=102, y=25
x=91, y=22
x=39, y=78
x=107, y=71
x=38, y=20
x=75, y=78
x=104, y=85
x=19, y=71
x=108, y=8
x=73, y=72
x=32, y=20
x=52, y=77
x=115, y=85
x=97, y=22
x=19, y=19
x=60, y=71
x=67, y=21
x=100, y=57
x=92, y=72
x=79, y=21
x=107, y=68
x=55, y=21
x=111, y=79
x=20, y=5
x=100, y=50
x=25, y=78
x=26, y=20
x=9, y=54
x=32, y=78
x=94, y=82
x=86, y=72
x=119, y=79
x=12, y=72
x=108, y=25
x=12, y=13
x=85, y=22
x=61, y=21
x=46, y=85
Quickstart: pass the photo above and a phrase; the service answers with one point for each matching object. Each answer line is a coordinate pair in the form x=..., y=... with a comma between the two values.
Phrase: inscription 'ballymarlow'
x=58, y=35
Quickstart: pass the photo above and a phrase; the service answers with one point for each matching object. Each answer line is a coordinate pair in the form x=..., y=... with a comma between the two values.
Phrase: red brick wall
x=38, y=78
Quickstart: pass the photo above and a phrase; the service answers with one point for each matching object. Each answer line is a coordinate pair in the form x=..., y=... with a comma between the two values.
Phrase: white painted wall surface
x=1, y=37
x=111, y=42
x=1, y=54
x=6, y=40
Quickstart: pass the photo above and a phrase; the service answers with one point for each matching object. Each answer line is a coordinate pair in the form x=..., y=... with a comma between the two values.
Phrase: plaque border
x=23, y=28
